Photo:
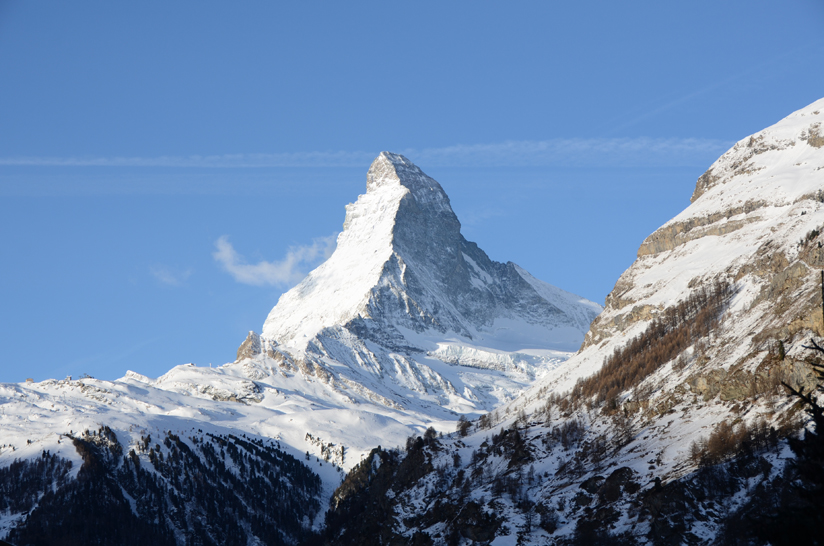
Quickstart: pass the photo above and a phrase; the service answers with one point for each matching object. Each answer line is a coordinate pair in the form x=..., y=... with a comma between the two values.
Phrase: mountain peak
x=401, y=263
x=390, y=170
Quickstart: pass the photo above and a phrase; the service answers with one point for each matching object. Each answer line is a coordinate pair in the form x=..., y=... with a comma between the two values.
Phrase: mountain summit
x=405, y=293
x=401, y=263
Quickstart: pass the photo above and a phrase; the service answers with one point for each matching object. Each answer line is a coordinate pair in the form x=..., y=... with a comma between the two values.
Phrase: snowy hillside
x=406, y=326
x=755, y=221
x=670, y=425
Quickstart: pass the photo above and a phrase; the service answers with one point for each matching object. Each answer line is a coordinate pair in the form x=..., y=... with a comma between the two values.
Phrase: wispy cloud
x=298, y=159
x=286, y=272
x=559, y=151
x=574, y=152
x=169, y=276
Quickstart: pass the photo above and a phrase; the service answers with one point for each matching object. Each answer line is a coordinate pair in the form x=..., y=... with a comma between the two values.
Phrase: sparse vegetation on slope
x=667, y=336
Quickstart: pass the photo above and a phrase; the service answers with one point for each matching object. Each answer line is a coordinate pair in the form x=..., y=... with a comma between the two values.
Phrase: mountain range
x=436, y=396
x=406, y=326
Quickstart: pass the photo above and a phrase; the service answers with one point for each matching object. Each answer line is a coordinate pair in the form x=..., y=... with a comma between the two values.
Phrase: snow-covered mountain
x=406, y=326
x=408, y=313
x=402, y=265
x=668, y=426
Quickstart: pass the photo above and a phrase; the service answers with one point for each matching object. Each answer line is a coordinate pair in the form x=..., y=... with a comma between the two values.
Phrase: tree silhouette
x=804, y=522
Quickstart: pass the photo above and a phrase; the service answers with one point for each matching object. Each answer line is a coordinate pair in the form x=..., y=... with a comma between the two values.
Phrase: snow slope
x=406, y=326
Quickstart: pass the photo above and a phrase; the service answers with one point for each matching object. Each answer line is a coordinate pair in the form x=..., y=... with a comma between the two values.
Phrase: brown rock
x=249, y=348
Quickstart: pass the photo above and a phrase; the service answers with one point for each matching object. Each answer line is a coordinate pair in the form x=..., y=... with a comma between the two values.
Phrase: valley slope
x=670, y=425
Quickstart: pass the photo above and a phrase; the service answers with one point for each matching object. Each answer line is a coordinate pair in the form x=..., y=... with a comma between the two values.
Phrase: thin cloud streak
x=722, y=83
x=575, y=152
x=168, y=276
x=554, y=152
x=286, y=272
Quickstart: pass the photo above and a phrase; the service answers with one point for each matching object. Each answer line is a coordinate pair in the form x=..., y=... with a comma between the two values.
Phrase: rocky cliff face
x=669, y=426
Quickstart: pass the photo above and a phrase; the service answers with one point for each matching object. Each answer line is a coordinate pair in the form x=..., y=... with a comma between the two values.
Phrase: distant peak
x=394, y=159
x=389, y=168
x=393, y=170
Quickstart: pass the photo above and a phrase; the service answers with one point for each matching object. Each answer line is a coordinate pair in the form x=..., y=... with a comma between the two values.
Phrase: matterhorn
x=408, y=313
x=405, y=328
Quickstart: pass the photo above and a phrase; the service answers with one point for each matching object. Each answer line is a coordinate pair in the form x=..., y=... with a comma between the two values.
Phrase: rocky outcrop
x=813, y=136
x=250, y=347
x=719, y=223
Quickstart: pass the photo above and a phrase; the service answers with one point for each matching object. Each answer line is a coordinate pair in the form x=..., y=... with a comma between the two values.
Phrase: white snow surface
x=339, y=289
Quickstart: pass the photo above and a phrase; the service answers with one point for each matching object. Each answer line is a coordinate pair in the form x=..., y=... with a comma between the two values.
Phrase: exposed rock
x=250, y=347
x=593, y=484
x=813, y=136
x=679, y=233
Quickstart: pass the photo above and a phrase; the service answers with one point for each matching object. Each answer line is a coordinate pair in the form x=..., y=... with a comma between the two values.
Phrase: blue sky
x=168, y=169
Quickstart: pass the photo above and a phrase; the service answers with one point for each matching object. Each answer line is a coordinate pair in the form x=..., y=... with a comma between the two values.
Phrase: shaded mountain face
x=671, y=425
